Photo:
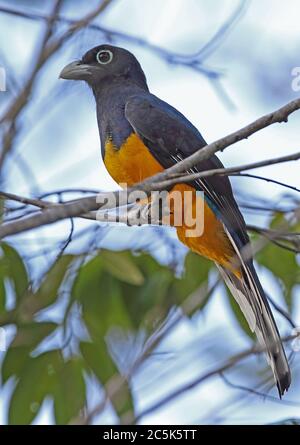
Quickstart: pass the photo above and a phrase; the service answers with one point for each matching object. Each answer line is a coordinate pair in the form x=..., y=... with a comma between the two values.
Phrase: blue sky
x=59, y=140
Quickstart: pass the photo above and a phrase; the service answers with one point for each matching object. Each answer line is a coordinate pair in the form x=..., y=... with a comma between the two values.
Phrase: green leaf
x=284, y=267
x=281, y=262
x=99, y=361
x=150, y=301
x=31, y=334
x=196, y=274
x=26, y=339
x=69, y=392
x=8, y=317
x=121, y=266
x=89, y=279
x=14, y=269
x=102, y=310
x=2, y=292
x=48, y=290
x=157, y=282
x=47, y=293
x=101, y=297
x=13, y=362
x=35, y=383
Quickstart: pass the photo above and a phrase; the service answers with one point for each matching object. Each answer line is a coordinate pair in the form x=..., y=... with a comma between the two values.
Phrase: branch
x=136, y=214
x=253, y=391
x=21, y=100
x=279, y=237
x=115, y=385
x=272, y=181
x=231, y=170
x=278, y=116
x=218, y=370
x=48, y=48
x=162, y=180
x=193, y=61
x=24, y=200
x=281, y=311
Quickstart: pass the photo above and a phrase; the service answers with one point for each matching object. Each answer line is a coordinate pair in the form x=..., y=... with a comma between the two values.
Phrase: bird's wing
x=170, y=137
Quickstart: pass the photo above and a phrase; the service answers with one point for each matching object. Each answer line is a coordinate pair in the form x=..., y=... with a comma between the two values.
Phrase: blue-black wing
x=170, y=137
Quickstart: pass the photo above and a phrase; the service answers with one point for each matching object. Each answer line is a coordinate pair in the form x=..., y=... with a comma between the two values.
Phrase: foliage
x=111, y=289
x=49, y=358
x=282, y=263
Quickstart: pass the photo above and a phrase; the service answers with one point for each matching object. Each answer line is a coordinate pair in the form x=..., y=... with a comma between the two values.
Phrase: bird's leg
x=156, y=211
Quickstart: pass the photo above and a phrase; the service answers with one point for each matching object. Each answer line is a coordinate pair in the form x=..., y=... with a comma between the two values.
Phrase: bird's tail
x=251, y=298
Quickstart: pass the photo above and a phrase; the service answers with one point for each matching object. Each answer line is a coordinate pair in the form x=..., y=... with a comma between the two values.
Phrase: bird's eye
x=104, y=56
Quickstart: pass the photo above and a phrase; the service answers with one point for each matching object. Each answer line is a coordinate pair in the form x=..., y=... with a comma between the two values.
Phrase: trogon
x=142, y=135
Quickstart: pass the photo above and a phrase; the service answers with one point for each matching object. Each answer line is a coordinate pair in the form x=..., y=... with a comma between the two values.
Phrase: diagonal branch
x=194, y=61
x=278, y=116
x=48, y=48
x=20, y=102
x=228, y=171
x=162, y=180
x=218, y=370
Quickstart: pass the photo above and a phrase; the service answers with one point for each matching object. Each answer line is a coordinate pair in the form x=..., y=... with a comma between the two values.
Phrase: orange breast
x=133, y=162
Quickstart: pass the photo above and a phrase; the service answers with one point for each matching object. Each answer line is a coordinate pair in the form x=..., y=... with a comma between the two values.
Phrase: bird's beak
x=76, y=71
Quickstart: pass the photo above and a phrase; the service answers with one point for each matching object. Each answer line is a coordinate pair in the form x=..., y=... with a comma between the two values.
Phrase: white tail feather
x=250, y=296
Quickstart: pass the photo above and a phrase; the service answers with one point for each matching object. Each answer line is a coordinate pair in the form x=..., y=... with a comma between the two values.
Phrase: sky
x=59, y=140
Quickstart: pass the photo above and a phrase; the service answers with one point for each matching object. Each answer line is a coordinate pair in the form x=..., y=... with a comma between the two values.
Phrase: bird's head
x=105, y=63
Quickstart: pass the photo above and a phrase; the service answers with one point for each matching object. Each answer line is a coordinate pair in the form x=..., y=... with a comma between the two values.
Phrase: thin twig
x=204, y=377
x=281, y=311
x=48, y=48
x=193, y=61
x=227, y=171
x=254, y=391
x=160, y=181
x=263, y=178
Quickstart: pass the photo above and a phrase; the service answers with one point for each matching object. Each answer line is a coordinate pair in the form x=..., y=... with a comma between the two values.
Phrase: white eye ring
x=104, y=51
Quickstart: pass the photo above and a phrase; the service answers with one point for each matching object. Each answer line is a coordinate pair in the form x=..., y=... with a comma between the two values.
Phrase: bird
x=142, y=135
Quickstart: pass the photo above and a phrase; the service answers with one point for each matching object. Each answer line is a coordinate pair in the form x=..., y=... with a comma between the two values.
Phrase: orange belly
x=133, y=163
